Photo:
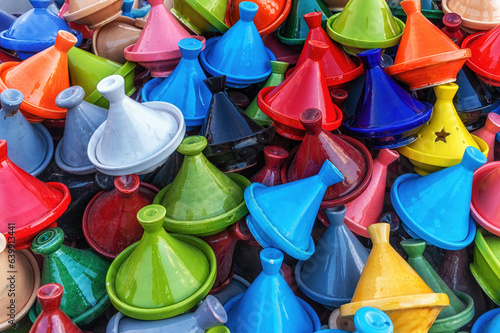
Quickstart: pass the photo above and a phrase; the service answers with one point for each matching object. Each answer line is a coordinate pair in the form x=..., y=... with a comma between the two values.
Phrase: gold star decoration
x=441, y=136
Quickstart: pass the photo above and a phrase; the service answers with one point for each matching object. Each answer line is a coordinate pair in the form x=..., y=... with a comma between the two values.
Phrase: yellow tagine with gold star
x=442, y=140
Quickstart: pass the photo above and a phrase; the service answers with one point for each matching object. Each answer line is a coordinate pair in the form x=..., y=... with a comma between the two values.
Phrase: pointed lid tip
x=112, y=88
x=413, y=247
x=279, y=67
x=276, y=152
x=127, y=184
x=313, y=20
x=48, y=241
x=216, y=308
x=371, y=58
x=336, y=215
x=410, y=6
x=248, y=10
x=271, y=260
x=192, y=145
x=70, y=97
x=151, y=217
x=49, y=296
x=372, y=320
x=379, y=232
x=311, y=119
x=339, y=97
x=155, y=3
x=11, y=100
x=317, y=49
x=493, y=122
x=473, y=158
x=329, y=174
x=190, y=48
x=452, y=20
x=216, y=84
x=65, y=40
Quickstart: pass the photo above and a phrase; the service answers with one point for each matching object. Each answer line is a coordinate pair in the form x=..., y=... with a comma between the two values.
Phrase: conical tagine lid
x=391, y=285
x=52, y=319
x=82, y=120
x=201, y=200
x=305, y=88
x=84, y=298
x=381, y=124
x=162, y=275
x=337, y=65
x=270, y=289
x=35, y=30
x=183, y=88
x=110, y=219
x=461, y=309
x=30, y=145
x=40, y=79
x=274, y=218
x=135, y=138
x=436, y=207
x=348, y=155
x=425, y=61
x=485, y=57
x=442, y=140
x=252, y=65
x=330, y=276
x=366, y=24
x=28, y=205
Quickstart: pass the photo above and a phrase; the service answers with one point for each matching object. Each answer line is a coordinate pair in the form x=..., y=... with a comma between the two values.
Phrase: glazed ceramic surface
x=305, y=88
x=52, y=319
x=48, y=76
x=162, y=275
x=80, y=272
x=30, y=145
x=414, y=198
x=436, y=61
x=408, y=301
x=273, y=219
x=28, y=205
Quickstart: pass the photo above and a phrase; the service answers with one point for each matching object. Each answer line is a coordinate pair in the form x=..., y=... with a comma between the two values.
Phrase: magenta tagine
x=110, y=219
x=30, y=145
x=386, y=116
x=436, y=207
x=368, y=207
x=348, y=155
x=240, y=53
x=330, y=276
x=485, y=204
x=269, y=305
x=156, y=49
x=234, y=139
x=488, y=133
x=283, y=216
